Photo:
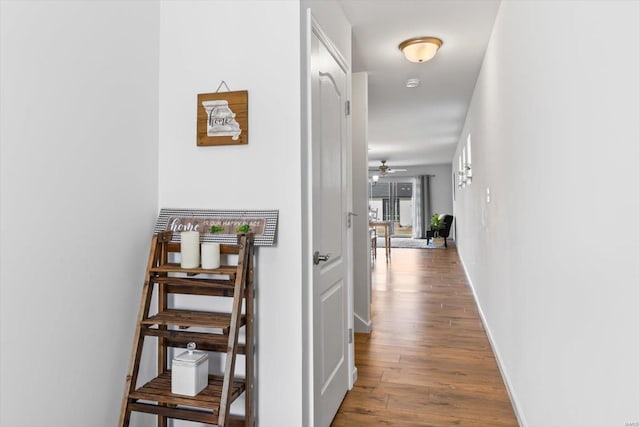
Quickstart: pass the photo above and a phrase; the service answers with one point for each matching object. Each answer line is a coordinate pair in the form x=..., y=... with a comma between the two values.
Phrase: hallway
x=428, y=361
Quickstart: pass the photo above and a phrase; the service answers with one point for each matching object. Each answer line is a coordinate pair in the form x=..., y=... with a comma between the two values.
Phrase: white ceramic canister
x=189, y=372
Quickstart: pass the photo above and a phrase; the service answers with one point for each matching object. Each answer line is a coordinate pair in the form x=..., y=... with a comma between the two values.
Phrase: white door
x=330, y=234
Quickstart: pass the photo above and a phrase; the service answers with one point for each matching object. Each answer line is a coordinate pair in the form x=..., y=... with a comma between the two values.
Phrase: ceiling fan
x=383, y=169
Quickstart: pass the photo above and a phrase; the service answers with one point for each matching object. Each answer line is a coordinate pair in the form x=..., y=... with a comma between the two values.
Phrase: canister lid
x=191, y=355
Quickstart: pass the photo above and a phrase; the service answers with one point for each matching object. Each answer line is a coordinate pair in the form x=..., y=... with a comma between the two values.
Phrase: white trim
x=316, y=28
x=308, y=398
x=515, y=403
x=363, y=326
x=308, y=409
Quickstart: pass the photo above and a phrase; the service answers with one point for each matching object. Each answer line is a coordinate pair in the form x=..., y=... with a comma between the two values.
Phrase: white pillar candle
x=210, y=255
x=189, y=249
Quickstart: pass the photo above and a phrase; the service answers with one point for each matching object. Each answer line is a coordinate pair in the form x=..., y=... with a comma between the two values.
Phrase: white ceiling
x=420, y=126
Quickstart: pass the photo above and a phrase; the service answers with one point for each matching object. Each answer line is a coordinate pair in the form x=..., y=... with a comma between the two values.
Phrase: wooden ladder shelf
x=171, y=328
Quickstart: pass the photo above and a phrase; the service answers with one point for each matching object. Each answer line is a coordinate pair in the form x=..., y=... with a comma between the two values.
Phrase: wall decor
x=223, y=118
x=220, y=226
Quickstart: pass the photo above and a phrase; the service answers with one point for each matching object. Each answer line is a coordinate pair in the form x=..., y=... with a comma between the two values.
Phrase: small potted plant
x=435, y=225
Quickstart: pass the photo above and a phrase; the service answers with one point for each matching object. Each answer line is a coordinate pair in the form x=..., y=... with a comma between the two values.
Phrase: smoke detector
x=413, y=83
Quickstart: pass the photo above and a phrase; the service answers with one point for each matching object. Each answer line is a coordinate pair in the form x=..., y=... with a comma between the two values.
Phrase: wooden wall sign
x=220, y=226
x=223, y=118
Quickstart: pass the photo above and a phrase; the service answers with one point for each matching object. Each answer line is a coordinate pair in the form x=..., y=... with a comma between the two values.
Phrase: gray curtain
x=421, y=206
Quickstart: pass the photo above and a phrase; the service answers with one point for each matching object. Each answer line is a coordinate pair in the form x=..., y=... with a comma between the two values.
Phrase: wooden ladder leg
x=134, y=364
x=162, y=306
x=162, y=347
x=249, y=349
x=232, y=346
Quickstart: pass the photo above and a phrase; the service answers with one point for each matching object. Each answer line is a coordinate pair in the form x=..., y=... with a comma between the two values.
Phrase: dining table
x=387, y=235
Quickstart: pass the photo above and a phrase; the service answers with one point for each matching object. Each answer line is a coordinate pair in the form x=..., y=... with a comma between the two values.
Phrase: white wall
x=361, y=239
x=554, y=124
x=78, y=198
x=252, y=45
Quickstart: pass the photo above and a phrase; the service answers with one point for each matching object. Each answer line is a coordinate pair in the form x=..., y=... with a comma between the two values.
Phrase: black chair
x=444, y=230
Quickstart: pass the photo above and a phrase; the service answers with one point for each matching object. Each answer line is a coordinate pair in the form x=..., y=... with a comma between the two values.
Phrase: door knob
x=317, y=257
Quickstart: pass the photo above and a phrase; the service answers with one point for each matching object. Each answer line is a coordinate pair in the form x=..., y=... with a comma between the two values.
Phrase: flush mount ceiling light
x=420, y=49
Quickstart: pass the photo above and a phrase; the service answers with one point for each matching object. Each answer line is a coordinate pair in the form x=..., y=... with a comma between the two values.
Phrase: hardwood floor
x=428, y=361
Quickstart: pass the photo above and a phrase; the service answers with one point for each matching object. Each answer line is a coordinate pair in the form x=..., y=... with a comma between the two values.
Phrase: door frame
x=313, y=27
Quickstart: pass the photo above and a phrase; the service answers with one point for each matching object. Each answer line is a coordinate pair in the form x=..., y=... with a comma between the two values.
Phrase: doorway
x=392, y=201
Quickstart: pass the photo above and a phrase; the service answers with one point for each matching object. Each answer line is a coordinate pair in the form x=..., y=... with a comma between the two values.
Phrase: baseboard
x=515, y=403
x=360, y=325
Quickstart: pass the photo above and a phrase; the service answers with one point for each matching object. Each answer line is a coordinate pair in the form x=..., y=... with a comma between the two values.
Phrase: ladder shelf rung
x=209, y=290
x=186, y=414
x=159, y=390
x=194, y=281
x=194, y=415
x=204, y=341
x=224, y=270
x=202, y=319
